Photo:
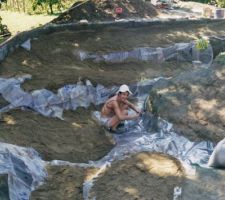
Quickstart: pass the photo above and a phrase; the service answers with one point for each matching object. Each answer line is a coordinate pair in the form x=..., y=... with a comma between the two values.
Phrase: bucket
x=219, y=14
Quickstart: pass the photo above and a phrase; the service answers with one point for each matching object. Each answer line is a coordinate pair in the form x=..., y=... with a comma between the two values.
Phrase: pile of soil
x=76, y=139
x=142, y=176
x=194, y=103
x=61, y=183
x=103, y=10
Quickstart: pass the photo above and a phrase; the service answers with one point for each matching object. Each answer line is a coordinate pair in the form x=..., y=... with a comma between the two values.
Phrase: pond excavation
x=79, y=158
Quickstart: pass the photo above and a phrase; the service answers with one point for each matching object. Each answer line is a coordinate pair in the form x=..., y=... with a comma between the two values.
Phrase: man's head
x=124, y=89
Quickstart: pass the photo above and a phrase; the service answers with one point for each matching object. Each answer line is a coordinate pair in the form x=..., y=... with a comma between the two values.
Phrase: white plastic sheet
x=178, y=51
x=49, y=104
x=217, y=159
x=25, y=169
x=27, y=45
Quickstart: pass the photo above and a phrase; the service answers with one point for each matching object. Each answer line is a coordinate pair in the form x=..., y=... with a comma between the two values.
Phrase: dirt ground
x=53, y=63
x=60, y=54
x=103, y=10
x=143, y=176
x=75, y=139
x=62, y=183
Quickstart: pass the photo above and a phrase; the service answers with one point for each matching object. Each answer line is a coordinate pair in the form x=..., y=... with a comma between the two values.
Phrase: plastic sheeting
x=152, y=135
x=25, y=170
x=26, y=45
x=157, y=135
x=217, y=159
x=49, y=104
x=179, y=51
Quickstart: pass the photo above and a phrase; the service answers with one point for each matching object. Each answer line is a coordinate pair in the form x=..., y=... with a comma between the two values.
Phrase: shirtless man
x=115, y=109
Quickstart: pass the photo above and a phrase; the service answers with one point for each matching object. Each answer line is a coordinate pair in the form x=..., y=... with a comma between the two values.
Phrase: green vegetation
x=204, y=1
x=221, y=3
x=49, y=3
x=202, y=44
x=38, y=6
x=221, y=58
x=3, y=31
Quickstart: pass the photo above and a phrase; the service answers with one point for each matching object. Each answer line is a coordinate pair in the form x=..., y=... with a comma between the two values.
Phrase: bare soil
x=142, y=176
x=103, y=10
x=75, y=139
x=62, y=183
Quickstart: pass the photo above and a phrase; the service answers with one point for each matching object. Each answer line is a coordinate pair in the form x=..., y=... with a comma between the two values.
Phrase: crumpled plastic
x=152, y=134
x=178, y=51
x=25, y=169
x=48, y=103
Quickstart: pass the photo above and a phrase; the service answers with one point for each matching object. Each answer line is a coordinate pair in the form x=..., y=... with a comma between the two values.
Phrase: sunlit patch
x=222, y=114
x=98, y=39
x=174, y=101
x=158, y=164
x=9, y=120
x=76, y=44
x=24, y=62
x=76, y=125
x=101, y=70
x=92, y=173
x=206, y=105
x=163, y=91
x=132, y=191
x=195, y=88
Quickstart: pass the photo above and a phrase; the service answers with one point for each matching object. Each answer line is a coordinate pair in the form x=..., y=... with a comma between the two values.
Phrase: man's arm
x=120, y=115
x=133, y=107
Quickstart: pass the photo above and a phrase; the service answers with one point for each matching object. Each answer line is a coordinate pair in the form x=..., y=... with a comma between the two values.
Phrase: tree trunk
x=51, y=10
x=18, y=6
x=24, y=6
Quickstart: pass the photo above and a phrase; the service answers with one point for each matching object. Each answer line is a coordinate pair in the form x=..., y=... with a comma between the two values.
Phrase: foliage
x=221, y=3
x=203, y=1
x=202, y=44
x=49, y=3
x=221, y=58
x=3, y=30
x=37, y=6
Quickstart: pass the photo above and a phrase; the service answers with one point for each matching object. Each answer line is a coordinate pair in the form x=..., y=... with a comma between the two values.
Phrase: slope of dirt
x=142, y=176
x=75, y=139
x=53, y=61
x=103, y=10
x=63, y=182
x=194, y=103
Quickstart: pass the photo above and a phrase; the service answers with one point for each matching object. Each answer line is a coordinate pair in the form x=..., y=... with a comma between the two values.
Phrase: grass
x=18, y=22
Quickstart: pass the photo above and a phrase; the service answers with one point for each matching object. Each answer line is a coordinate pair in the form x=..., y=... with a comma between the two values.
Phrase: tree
x=49, y=3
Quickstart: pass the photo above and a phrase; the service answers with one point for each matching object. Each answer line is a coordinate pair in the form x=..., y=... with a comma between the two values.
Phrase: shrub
x=221, y=3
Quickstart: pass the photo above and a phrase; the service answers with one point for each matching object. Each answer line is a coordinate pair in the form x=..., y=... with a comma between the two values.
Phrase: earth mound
x=106, y=10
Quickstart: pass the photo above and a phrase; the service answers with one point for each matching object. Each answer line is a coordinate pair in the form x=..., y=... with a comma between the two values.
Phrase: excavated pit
x=53, y=63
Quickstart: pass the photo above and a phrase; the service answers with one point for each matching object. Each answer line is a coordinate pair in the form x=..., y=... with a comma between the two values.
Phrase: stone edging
x=14, y=42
